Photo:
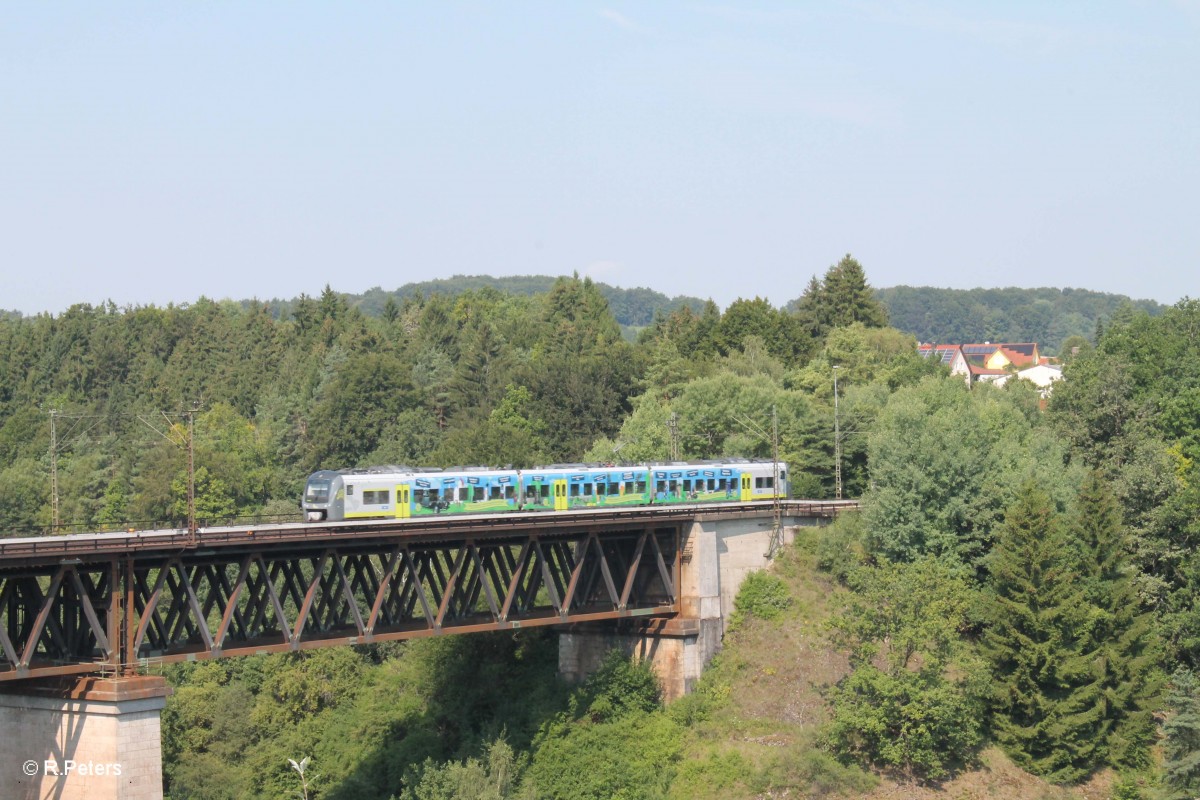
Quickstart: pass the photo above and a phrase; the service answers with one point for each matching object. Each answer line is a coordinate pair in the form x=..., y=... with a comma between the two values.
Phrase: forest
x=1013, y=611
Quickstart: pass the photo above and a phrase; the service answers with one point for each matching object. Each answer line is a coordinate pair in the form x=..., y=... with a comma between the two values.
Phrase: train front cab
x=323, y=496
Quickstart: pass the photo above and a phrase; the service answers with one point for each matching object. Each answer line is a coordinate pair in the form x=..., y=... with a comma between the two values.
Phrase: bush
x=621, y=685
x=839, y=546
x=762, y=595
x=916, y=722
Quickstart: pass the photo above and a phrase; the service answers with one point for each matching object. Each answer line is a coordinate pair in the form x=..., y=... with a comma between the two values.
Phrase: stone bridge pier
x=717, y=556
x=82, y=738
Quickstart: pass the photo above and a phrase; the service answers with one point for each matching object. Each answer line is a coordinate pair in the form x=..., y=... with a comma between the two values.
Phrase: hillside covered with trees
x=1012, y=613
x=1046, y=316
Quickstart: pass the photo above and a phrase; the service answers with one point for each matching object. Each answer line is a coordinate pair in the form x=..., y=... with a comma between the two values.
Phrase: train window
x=782, y=475
x=614, y=488
x=494, y=493
x=640, y=487
x=376, y=498
x=712, y=484
x=601, y=488
x=318, y=492
x=477, y=493
x=769, y=482
x=673, y=487
x=544, y=490
x=660, y=486
x=419, y=496
x=510, y=491
x=574, y=490
x=350, y=490
x=758, y=483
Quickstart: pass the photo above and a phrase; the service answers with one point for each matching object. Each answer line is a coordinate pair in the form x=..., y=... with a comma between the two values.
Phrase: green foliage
x=619, y=686
x=761, y=595
x=946, y=462
x=1049, y=705
x=496, y=777
x=1046, y=316
x=913, y=699
x=631, y=757
x=1181, y=745
x=1127, y=788
x=611, y=720
x=915, y=722
x=841, y=298
x=1124, y=648
x=1129, y=408
x=839, y=549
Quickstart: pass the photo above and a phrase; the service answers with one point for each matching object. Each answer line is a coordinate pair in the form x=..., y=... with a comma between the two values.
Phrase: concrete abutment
x=82, y=739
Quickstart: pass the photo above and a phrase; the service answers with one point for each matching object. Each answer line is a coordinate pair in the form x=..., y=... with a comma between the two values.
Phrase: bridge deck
x=108, y=601
x=121, y=544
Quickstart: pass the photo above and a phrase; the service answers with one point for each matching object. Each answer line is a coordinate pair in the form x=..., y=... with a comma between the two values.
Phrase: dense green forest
x=1046, y=316
x=1013, y=612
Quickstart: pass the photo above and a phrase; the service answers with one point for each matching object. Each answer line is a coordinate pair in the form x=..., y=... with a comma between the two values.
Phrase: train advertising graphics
x=564, y=487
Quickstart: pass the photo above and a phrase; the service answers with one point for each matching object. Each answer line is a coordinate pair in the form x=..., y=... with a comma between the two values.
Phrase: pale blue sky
x=153, y=152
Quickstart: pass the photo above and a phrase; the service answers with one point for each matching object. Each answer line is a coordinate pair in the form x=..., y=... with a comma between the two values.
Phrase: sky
x=156, y=152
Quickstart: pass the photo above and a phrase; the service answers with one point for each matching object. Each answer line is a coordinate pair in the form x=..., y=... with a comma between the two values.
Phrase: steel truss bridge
x=109, y=602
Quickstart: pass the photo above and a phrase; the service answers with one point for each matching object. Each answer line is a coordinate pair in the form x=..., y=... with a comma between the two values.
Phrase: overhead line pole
x=54, y=464
x=837, y=441
x=191, y=415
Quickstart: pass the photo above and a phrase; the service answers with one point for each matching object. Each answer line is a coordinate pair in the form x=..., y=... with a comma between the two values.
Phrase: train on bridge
x=398, y=492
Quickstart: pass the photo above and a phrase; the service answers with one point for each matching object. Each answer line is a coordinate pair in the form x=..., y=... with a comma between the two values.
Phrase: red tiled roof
x=976, y=369
x=1017, y=357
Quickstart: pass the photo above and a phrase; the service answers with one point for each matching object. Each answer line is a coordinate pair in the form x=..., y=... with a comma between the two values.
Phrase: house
x=1042, y=376
x=995, y=362
x=1019, y=356
x=949, y=354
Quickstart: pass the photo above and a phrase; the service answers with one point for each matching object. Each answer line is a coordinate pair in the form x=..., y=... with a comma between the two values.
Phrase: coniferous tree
x=1181, y=750
x=1122, y=639
x=848, y=298
x=1046, y=701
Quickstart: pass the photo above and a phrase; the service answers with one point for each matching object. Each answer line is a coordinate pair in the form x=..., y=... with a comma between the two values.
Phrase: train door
x=403, y=501
x=747, y=487
x=560, y=495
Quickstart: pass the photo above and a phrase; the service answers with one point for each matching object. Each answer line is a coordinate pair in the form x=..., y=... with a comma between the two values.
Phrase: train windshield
x=317, y=492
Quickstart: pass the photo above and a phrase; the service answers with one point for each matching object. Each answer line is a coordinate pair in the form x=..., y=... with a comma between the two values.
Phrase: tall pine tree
x=1047, y=702
x=1181, y=749
x=1123, y=644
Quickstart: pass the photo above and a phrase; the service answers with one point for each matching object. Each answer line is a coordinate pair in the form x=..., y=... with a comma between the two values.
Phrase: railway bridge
x=84, y=618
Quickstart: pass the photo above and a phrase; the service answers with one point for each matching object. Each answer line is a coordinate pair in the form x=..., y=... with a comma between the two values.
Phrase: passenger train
x=395, y=492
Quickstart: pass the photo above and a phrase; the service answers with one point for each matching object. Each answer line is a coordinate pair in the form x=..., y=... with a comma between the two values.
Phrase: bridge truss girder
x=69, y=617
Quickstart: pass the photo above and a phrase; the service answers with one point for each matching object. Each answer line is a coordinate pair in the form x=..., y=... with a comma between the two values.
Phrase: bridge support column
x=717, y=556
x=82, y=738
x=677, y=649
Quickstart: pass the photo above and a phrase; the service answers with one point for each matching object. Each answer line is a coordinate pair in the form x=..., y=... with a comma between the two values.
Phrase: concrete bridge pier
x=717, y=556
x=83, y=738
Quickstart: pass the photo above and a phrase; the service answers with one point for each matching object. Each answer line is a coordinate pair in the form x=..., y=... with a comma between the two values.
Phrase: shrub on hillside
x=762, y=595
